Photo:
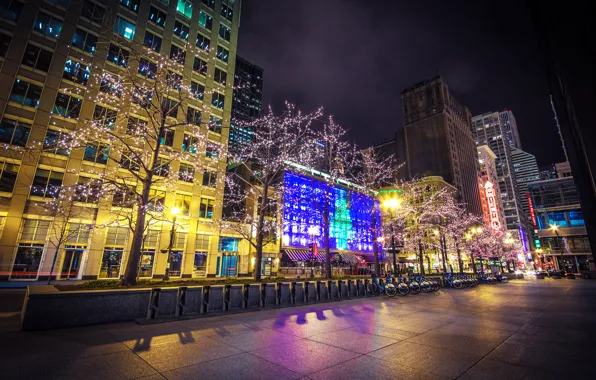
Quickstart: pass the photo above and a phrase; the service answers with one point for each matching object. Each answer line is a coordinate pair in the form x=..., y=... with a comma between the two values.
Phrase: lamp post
x=174, y=211
x=312, y=231
x=392, y=205
x=555, y=229
x=474, y=232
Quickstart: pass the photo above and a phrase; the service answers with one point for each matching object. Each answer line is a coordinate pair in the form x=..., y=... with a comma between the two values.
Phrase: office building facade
x=439, y=139
x=525, y=169
x=46, y=46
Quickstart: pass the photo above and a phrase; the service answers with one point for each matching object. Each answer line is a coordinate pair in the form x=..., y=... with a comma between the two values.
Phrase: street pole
x=394, y=252
x=174, y=211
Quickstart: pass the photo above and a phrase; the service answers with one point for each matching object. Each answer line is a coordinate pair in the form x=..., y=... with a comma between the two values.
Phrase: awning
x=349, y=258
x=302, y=255
x=370, y=258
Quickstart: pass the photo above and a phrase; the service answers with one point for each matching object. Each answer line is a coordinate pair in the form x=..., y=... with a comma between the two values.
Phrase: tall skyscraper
x=525, y=169
x=510, y=129
x=439, y=139
x=248, y=94
x=47, y=47
x=491, y=131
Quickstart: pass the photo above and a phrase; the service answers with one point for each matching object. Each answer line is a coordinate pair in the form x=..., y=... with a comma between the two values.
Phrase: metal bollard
x=181, y=301
x=153, y=303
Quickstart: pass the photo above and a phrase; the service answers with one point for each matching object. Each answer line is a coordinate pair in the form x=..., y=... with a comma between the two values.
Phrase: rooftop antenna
x=559, y=128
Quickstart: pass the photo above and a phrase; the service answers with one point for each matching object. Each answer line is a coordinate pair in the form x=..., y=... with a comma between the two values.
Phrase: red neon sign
x=531, y=207
x=493, y=211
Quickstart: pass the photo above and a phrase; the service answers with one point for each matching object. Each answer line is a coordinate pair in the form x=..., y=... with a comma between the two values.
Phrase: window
x=162, y=167
x=224, y=32
x=4, y=43
x=93, y=12
x=190, y=143
x=76, y=71
x=205, y=20
x=209, y=3
x=222, y=54
x=193, y=116
x=177, y=54
x=152, y=41
x=209, y=178
x=183, y=203
x=116, y=235
x=218, y=100
x=130, y=162
x=97, y=153
x=27, y=260
x=142, y=97
x=228, y=244
x=215, y=124
x=136, y=127
x=8, y=176
x=186, y=172
x=110, y=85
x=67, y=106
x=118, y=56
x=202, y=42
x=124, y=28
x=576, y=218
x=56, y=142
x=84, y=41
x=166, y=2
x=25, y=93
x=11, y=10
x=170, y=107
x=78, y=233
x=37, y=58
x=87, y=190
x=48, y=25
x=157, y=17
x=156, y=199
x=181, y=30
x=211, y=151
x=184, y=7
x=14, y=132
x=206, y=208
x=35, y=230
x=220, y=76
x=227, y=12
x=168, y=137
x=202, y=242
x=197, y=90
x=147, y=68
x=105, y=117
x=133, y=5
x=124, y=197
x=200, y=66
x=46, y=183
x=61, y=3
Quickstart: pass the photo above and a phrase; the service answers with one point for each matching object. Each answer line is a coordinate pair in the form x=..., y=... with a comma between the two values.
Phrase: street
x=530, y=329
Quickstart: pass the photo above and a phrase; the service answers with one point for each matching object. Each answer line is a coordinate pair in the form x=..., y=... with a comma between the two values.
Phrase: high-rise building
x=491, y=131
x=48, y=46
x=246, y=104
x=492, y=206
x=510, y=129
x=525, y=169
x=439, y=139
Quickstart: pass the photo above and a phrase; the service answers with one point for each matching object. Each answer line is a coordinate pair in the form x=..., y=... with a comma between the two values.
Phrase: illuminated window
x=211, y=151
x=224, y=32
x=181, y=30
x=157, y=17
x=47, y=183
x=184, y=7
x=147, y=68
x=215, y=124
x=133, y=5
x=56, y=142
x=183, y=203
x=202, y=42
x=168, y=137
x=118, y=55
x=124, y=28
x=197, y=90
x=76, y=71
x=228, y=244
x=48, y=25
x=25, y=93
x=14, y=132
x=97, y=153
x=205, y=20
x=190, y=143
x=105, y=117
x=222, y=54
x=227, y=12
x=186, y=172
x=218, y=100
x=206, y=208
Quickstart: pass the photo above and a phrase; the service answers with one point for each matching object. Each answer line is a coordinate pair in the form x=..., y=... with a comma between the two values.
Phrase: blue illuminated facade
x=349, y=212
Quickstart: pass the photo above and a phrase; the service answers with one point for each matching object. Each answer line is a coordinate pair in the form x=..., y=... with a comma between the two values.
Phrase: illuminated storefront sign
x=532, y=214
x=523, y=239
x=491, y=201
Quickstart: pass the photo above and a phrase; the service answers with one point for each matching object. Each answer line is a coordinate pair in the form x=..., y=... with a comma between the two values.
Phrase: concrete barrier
x=234, y=297
x=193, y=301
x=311, y=291
x=333, y=291
x=284, y=294
x=252, y=296
x=368, y=290
x=268, y=296
x=162, y=303
x=352, y=291
x=323, y=291
x=298, y=292
x=360, y=289
x=43, y=310
x=214, y=299
x=343, y=289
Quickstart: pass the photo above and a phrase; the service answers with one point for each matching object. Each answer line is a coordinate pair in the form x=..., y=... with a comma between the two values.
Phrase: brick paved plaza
x=521, y=330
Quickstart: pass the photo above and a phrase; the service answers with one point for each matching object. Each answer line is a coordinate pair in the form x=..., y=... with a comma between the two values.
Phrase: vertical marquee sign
x=493, y=211
x=532, y=213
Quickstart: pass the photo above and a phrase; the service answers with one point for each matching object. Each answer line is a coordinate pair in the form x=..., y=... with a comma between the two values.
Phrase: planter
x=214, y=299
x=311, y=291
x=268, y=295
x=323, y=289
x=333, y=291
x=234, y=297
x=343, y=289
x=252, y=296
x=298, y=292
x=284, y=294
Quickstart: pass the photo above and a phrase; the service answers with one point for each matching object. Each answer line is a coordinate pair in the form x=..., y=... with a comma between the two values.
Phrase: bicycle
x=502, y=278
x=453, y=282
x=425, y=286
x=389, y=289
x=402, y=287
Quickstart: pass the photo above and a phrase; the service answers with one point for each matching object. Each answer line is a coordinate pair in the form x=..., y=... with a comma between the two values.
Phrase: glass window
x=576, y=218
x=209, y=178
x=203, y=42
x=184, y=7
x=557, y=218
x=136, y=126
x=8, y=176
x=197, y=90
x=183, y=203
x=93, y=12
x=61, y=3
x=168, y=138
x=110, y=85
x=152, y=41
x=84, y=41
x=177, y=54
x=56, y=142
x=224, y=32
x=220, y=76
x=11, y=10
x=110, y=262
x=218, y=100
x=143, y=98
x=124, y=28
x=147, y=68
x=46, y=183
x=118, y=56
x=215, y=124
x=202, y=242
x=162, y=167
x=124, y=197
x=227, y=12
x=104, y=117
x=116, y=235
x=37, y=58
x=14, y=132
x=211, y=151
x=156, y=199
x=97, y=153
x=222, y=54
x=170, y=107
x=199, y=66
x=76, y=71
x=206, y=208
x=27, y=261
x=157, y=17
x=130, y=162
x=186, y=172
x=67, y=106
x=205, y=20
x=228, y=244
x=133, y=5
x=181, y=30
x=190, y=143
x=4, y=43
x=48, y=25
x=87, y=190
x=209, y=3
x=25, y=93
x=193, y=116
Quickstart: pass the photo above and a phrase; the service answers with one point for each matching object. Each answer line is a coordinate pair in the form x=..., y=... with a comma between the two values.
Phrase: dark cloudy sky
x=354, y=58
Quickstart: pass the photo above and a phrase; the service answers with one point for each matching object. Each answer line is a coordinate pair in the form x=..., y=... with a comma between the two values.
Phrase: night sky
x=355, y=57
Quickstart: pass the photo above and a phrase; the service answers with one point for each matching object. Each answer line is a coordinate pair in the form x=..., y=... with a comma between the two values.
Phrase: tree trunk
x=420, y=257
x=444, y=252
x=459, y=262
x=53, y=263
x=473, y=263
x=260, y=224
x=328, y=273
x=134, y=258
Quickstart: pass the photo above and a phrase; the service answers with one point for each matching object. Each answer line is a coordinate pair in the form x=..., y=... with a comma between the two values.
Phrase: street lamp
x=174, y=211
x=312, y=231
x=392, y=204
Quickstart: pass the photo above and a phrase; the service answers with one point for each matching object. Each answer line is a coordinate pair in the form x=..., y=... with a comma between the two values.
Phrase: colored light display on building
x=523, y=239
x=350, y=227
x=491, y=201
